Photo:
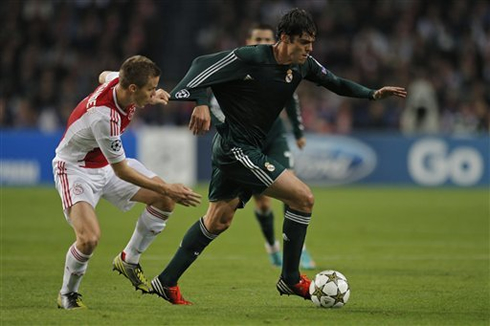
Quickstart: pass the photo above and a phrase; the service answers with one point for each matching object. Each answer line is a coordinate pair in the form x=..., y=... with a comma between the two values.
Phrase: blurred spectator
x=52, y=52
x=421, y=114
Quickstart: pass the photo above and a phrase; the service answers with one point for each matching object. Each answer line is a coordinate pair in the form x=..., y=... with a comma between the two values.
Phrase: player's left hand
x=301, y=142
x=160, y=97
x=200, y=120
x=388, y=91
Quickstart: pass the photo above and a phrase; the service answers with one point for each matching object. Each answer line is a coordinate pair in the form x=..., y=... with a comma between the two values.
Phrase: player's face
x=299, y=47
x=143, y=95
x=261, y=36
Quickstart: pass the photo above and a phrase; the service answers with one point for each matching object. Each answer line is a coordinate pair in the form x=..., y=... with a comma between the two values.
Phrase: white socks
x=75, y=266
x=151, y=222
x=273, y=249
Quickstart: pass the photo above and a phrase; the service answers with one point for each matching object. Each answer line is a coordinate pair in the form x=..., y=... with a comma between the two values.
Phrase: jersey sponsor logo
x=334, y=160
x=116, y=145
x=183, y=93
x=93, y=99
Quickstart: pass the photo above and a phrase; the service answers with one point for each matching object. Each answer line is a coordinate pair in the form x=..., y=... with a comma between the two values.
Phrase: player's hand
x=388, y=91
x=182, y=195
x=200, y=120
x=301, y=142
x=160, y=97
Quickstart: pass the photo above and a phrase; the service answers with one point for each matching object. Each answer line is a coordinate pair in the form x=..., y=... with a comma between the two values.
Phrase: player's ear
x=133, y=88
x=285, y=38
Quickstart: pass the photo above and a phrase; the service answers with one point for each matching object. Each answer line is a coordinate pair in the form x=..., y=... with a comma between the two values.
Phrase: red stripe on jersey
x=114, y=122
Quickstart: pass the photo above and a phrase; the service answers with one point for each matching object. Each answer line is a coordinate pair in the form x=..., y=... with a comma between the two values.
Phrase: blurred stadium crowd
x=53, y=51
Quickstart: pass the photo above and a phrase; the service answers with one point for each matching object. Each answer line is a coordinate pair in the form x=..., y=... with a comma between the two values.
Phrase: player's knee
x=304, y=201
x=219, y=224
x=88, y=242
x=164, y=203
x=309, y=200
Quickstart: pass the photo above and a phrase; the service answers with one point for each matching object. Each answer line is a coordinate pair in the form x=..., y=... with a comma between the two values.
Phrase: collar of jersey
x=115, y=101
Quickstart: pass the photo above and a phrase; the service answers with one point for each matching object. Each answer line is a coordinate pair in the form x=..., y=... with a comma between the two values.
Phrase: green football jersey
x=278, y=129
x=252, y=88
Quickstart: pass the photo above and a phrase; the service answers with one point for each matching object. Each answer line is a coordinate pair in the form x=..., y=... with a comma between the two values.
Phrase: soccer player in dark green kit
x=276, y=147
x=252, y=85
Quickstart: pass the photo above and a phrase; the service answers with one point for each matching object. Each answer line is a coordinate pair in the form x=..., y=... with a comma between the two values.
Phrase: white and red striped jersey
x=92, y=138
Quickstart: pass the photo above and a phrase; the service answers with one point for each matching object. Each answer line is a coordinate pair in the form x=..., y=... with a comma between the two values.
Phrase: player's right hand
x=182, y=195
x=200, y=120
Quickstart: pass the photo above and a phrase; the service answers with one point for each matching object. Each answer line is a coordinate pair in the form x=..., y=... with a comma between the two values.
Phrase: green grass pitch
x=412, y=257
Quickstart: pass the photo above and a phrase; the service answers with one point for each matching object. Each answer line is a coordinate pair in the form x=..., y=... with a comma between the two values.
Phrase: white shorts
x=75, y=184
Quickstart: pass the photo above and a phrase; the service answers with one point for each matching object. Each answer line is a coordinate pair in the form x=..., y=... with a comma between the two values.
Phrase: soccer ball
x=329, y=289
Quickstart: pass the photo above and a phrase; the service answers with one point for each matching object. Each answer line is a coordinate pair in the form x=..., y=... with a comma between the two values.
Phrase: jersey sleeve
x=111, y=76
x=323, y=77
x=294, y=114
x=106, y=126
x=204, y=72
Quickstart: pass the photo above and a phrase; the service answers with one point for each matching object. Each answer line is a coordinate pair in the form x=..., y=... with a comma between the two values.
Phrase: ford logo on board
x=333, y=160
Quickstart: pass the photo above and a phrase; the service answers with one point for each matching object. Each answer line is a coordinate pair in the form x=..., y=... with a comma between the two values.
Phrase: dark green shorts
x=240, y=171
x=277, y=148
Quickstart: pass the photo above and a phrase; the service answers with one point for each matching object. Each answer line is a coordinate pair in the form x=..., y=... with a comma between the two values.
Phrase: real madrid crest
x=269, y=167
x=289, y=76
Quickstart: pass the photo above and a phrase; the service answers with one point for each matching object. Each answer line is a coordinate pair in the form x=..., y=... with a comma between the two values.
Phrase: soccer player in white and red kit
x=90, y=163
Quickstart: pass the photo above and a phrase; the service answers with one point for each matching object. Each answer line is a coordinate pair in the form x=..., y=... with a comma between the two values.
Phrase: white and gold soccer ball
x=329, y=289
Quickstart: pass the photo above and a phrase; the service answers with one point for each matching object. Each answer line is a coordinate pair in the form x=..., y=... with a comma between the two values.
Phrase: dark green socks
x=294, y=233
x=195, y=240
x=266, y=221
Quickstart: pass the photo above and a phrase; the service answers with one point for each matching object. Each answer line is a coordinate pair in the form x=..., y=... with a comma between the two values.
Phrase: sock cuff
x=205, y=231
x=298, y=217
x=158, y=213
x=78, y=255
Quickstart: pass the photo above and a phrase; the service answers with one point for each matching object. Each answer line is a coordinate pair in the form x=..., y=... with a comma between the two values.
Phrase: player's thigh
x=121, y=193
x=292, y=191
x=84, y=221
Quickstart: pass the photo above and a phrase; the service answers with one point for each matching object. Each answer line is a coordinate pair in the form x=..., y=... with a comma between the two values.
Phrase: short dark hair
x=262, y=26
x=137, y=70
x=296, y=22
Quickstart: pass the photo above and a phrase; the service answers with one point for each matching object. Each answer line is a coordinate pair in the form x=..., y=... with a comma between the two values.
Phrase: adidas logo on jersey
x=248, y=77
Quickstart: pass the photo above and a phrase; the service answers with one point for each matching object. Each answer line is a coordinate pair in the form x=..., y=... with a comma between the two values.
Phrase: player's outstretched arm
x=388, y=91
x=179, y=193
x=200, y=120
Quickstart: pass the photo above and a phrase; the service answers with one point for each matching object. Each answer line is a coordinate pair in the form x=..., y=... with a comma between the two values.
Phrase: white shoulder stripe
x=212, y=69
